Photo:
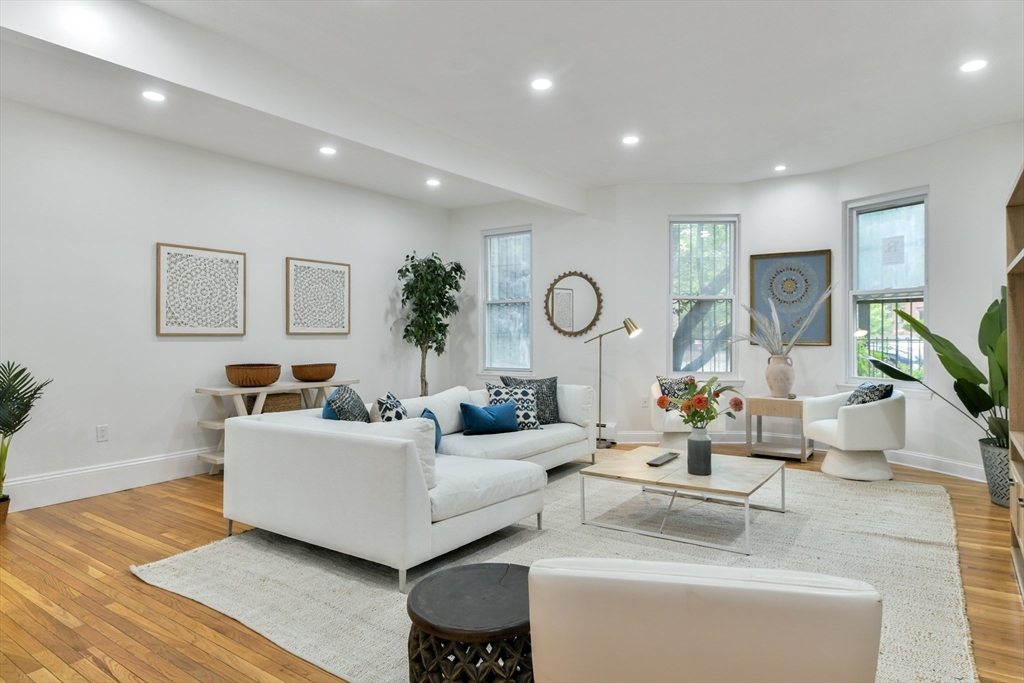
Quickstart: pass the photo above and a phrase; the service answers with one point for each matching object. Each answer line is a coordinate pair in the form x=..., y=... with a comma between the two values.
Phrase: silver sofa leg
x=540, y=517
x=401, y=580
x=229, y=526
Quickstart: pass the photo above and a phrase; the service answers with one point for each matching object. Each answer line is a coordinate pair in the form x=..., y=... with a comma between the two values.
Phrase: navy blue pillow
x=427, y=413
x=490, y=420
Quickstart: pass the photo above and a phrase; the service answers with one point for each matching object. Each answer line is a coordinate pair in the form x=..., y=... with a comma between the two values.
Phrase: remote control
x=662, y=459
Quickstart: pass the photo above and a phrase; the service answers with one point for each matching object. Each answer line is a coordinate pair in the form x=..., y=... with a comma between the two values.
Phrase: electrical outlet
x=101, y=433
x=645, y=402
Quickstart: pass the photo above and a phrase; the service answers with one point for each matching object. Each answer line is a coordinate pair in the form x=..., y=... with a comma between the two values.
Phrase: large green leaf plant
x=991, y=403
x=18, y=393
x=429, y=292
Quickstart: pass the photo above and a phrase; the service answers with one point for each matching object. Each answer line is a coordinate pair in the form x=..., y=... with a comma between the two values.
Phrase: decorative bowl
x=314, y=372
x=252, y=374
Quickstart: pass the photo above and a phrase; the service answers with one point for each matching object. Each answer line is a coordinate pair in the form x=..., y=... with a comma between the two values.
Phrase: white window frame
x=733, y=288
x=850, y=211
x=485, y=262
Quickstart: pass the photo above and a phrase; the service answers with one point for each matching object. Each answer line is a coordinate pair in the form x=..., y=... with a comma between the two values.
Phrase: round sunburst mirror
x=573, y=303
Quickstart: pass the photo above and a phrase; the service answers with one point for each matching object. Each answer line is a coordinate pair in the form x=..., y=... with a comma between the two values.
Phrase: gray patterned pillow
x=869, y=393
x=391, y=408
x=525, y=398
x=345, y=404
x=547, y=396
x=674, y=387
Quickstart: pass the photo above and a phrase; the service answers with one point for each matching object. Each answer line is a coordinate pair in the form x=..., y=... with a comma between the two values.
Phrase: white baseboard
x=920, y=461
x=85, y=482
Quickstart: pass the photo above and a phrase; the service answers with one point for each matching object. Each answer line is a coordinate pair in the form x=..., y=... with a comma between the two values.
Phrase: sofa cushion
x=444, y=405
x=514, y=445
x=468, y=484
x=869, y=392
x=523, y=396
x=489, y=419
x=547, y=396
x=418, y=430
x=391, y=409
x=345, y=404
x=575, y=404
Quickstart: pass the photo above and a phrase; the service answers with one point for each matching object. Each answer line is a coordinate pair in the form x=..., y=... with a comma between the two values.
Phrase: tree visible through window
x=701, y=273
x=508, y=295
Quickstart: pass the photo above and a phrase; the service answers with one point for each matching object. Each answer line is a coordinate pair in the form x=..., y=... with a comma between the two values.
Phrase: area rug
x=347, y=616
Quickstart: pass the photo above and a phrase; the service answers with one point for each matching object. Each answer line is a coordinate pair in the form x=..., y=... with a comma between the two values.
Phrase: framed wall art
x=563, y=308
x=318, y=297
x=794, y=281
x=199, y=291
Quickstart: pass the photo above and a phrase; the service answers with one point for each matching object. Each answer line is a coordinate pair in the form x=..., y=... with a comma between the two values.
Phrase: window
x=703, y=294
x=887, y=273
x=507, y=295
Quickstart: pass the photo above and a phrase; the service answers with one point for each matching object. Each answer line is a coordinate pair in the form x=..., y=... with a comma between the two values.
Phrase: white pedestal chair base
x=674, y=441
x=857, y=465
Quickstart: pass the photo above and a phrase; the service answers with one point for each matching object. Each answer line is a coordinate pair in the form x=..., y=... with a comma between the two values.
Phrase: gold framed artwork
x=318, y=296
x=794, y=281
x=199, y=291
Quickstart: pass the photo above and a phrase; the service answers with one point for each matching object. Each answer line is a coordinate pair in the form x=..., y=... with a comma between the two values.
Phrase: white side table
x=314, y=394
x=793, y=408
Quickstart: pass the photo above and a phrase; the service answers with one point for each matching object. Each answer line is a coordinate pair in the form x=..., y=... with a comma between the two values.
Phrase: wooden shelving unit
x=1015, y=345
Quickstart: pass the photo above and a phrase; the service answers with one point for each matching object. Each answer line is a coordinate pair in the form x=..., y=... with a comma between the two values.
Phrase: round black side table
x=471, y=624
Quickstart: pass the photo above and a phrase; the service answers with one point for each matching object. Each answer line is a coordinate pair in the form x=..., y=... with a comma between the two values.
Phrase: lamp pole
x=633, y=331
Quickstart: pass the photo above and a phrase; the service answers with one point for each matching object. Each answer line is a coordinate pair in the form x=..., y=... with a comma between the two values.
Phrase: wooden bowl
x=252, y=374
x=314, y=372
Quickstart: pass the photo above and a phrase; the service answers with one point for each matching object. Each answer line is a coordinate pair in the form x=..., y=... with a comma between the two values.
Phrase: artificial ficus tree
x=428, y=294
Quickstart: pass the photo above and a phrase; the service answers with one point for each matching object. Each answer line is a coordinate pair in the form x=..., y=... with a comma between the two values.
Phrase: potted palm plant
x=18, y=393
x=968, y=383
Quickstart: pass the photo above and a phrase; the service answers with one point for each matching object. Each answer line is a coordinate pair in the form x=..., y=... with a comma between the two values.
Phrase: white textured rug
x=347, y=616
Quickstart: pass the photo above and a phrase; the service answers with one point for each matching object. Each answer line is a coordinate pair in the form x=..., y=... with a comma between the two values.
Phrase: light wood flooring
x=70, y=610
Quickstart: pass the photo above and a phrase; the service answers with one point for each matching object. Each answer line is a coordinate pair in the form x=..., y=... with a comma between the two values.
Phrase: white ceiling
x=718, y=91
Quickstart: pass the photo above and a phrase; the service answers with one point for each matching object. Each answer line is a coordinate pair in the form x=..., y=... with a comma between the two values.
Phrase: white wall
x=622, y=242
x=83, y=208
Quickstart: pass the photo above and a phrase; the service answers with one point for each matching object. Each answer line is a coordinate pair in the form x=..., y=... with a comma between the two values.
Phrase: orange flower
x=718, y=394
x=685, y=407
x=663, y=402
x=700, y=401
x=736, y=403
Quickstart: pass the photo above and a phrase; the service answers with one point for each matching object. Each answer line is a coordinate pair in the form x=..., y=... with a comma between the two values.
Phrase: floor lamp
x=632, y=330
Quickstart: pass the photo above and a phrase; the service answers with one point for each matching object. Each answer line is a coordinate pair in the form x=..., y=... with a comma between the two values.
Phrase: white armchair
x=857, y=435
x=674, y=432
x=605, y=620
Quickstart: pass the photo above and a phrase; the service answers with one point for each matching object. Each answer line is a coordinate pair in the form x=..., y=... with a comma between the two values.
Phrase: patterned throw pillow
x=547, y=396
x=674, y=387
x=525, y=398
x=869, y=393
x=345, y=404
x=391, y=408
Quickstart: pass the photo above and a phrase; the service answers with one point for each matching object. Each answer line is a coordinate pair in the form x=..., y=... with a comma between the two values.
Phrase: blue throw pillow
x=345, y=404
x=490, y=420
x=437, y=427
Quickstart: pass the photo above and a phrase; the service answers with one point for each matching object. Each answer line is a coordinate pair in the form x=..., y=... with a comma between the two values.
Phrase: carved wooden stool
x=471, y=624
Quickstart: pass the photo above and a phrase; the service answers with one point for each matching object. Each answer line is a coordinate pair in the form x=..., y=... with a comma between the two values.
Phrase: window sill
x=910, y=390
x=521, y=374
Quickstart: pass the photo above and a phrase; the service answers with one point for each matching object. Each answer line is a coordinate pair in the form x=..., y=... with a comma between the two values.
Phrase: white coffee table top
x=730, y=475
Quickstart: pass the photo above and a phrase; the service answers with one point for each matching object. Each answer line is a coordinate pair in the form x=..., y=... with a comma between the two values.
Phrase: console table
x=314, y=395
x=793, y=408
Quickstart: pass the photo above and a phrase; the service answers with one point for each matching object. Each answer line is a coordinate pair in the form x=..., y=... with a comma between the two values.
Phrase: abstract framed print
x=318, y=297
x=199, y=291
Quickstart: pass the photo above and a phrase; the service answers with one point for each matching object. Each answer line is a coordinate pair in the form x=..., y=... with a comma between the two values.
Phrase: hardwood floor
x=70, y=609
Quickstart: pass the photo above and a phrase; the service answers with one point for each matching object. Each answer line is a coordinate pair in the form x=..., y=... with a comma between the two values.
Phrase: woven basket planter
x=314, y=372
x=276, y=403
x=252, y=374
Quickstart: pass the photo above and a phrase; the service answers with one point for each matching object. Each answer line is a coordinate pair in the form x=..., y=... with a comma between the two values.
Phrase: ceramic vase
x=780, y=376
x=698, y=452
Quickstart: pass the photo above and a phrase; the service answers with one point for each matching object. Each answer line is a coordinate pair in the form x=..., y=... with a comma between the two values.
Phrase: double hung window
x=507, y=295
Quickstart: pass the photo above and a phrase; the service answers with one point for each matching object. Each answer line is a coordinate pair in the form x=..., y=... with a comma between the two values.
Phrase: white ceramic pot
x=780, y=376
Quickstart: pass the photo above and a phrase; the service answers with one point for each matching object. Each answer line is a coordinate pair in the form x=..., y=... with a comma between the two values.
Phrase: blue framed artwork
x=794, y=281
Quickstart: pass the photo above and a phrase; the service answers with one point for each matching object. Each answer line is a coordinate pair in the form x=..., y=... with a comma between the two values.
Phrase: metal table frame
x=736, y=500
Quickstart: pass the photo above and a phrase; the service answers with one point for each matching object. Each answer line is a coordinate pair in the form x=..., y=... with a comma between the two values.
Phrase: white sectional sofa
x=380, y=492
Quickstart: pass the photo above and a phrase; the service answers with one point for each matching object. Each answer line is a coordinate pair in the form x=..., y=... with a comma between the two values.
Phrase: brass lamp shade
x=631, y=328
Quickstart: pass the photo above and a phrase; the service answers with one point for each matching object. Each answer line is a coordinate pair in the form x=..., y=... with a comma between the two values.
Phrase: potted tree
x=428, y=290
x=968, y=381
x=18, y=393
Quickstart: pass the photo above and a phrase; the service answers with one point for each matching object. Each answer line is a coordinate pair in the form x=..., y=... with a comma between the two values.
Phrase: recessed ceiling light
x=975, y=65
x=328, y=151
x=154, y=96
x=433, y=182
x=630, y=140
x=780, y=167
x=541, y=84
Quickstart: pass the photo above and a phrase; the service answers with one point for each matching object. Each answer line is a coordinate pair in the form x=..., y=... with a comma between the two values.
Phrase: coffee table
x=732, y=481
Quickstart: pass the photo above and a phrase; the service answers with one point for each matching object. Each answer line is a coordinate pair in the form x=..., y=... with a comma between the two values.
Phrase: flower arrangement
x=699, y=407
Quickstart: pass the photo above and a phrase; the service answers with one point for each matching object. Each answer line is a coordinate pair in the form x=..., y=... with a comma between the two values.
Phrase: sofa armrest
x=823, y=407
x=876, y=426
x=358, y=494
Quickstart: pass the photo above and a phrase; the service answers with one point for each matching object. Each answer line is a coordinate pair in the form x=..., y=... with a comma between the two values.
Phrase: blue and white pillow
x=869, y=393
x=391, y=409
x=675, y=387
x=525, y=398
x=345, y=404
